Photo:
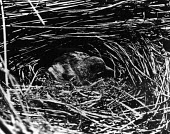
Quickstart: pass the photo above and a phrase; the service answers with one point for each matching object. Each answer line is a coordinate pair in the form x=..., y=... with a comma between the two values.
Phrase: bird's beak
x=109, y=69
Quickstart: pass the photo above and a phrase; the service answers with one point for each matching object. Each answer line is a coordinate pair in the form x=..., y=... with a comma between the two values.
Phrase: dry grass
x=126, y=34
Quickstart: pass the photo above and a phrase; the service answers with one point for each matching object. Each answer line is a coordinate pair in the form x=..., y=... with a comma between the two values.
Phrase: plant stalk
x=5, y=44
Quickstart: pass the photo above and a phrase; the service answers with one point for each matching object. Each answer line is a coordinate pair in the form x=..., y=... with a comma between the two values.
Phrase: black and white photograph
x=84, y=66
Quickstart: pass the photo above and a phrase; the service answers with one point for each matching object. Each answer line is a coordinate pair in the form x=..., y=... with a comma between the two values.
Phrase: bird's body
x=78, y=66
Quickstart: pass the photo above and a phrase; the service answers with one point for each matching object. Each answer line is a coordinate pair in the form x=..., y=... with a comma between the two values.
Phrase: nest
x=129, y=36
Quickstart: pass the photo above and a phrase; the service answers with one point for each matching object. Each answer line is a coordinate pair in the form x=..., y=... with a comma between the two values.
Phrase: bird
x=78, y=67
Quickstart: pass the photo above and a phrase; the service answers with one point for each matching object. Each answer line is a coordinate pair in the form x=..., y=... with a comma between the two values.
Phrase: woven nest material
x=128, y=36
x=118, y=31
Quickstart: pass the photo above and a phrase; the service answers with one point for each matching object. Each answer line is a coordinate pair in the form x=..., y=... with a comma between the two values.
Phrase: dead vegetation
x=126, y=34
